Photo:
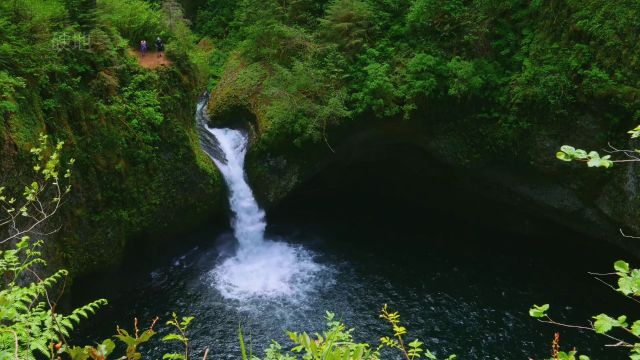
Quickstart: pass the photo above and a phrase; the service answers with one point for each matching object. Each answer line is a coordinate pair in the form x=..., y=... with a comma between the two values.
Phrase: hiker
x=143, y=47
x=159, y=46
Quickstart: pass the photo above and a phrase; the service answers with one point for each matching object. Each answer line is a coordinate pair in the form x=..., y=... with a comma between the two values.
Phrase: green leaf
x=186, y=321
x=174, y=337
x=593, y=162
x=566, y=356
x=415, y=343
x=580, y=154
x=569, y=150
x=635, y=328
x=604, y=323
x=40, y=345
x=243, y=350
x=629, y=283
x=538, y=311
x=77, y=353
x=621, y=266
x=146, y=335
x=622, y=321
x=174, y=356
x=106, y=348
x=563, y=156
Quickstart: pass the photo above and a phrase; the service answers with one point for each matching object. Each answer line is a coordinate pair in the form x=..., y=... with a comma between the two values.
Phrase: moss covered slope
x=139, y=170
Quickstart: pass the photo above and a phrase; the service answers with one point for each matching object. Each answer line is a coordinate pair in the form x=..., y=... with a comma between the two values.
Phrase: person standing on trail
x=159, y=46
x=143, y=47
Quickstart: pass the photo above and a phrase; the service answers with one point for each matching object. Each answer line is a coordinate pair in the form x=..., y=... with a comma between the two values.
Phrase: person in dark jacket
x=159, y=46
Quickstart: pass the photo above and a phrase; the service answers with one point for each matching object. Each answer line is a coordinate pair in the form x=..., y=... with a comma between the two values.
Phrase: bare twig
x=629, y=236
x=601, y=274
x=618, y=344
x=588, y=328
x=324, y=135
x=57, y=202
x=154, y=323
x=629, y=153
x=616, y=290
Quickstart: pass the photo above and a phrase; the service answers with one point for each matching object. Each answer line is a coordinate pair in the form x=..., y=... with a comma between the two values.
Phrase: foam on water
x=261, y=267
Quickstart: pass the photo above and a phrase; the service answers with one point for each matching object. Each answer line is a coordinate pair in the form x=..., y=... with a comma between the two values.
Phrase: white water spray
x=261, y=267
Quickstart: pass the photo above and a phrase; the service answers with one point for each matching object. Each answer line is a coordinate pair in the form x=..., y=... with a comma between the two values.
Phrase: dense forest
x=110, y=148
x=508, y=67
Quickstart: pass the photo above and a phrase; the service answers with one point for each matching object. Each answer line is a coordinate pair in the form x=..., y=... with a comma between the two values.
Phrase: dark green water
x=460, y=286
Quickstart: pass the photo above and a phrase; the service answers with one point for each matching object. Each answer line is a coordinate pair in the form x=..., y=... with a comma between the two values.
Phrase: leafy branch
x=594, y=159
x=42, y=198
x=628, y=284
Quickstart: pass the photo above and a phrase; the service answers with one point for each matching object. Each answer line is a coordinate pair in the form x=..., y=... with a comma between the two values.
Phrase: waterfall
x=261, y=267
x=249, y=222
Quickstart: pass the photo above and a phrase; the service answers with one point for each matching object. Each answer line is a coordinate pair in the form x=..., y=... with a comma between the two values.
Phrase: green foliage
x=628, y=279
x=135, y=20
x=181, y=326
x=139, y=107
x=349, y=24
x=571, y=355
x=302, y=105
x=8, y=89
x=132, y=341
x=545, y=87
x=604, y=323
x=337, y=342
x=83, y=11
x=465, y=79
x=214, y=18
x=424, y=76
x=29, y=322
x=511, y=69
x=30, y=326
x=376, y=91
x=100, y=351
x=593, y=159
x=334, y=343
x=104, y=350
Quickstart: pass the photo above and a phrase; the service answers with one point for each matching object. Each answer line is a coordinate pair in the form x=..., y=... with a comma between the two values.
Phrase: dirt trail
x=151, y=60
